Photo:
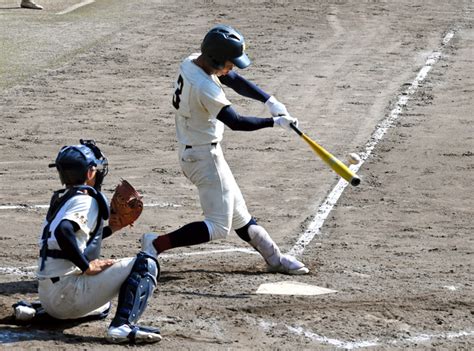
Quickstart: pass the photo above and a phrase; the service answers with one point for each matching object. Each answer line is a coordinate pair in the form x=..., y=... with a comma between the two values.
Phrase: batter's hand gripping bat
x=338, y=167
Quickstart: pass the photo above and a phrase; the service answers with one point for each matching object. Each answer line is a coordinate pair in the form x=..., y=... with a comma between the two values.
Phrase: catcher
x=73, y=282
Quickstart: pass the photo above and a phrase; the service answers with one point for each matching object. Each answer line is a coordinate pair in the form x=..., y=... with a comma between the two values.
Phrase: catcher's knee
x=217, y=230
x=147, y=265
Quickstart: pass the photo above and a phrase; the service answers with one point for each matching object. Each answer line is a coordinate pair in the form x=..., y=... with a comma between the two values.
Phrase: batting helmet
x=74, y=161
x=224, y=43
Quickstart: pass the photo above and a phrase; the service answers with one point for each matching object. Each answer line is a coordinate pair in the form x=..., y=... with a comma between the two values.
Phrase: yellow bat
x=338, y=167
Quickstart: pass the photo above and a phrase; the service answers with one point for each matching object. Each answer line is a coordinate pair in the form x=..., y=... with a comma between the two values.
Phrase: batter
x=202, y=110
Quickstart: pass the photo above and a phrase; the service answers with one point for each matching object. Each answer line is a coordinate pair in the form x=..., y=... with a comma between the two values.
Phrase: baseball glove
x=126, y=206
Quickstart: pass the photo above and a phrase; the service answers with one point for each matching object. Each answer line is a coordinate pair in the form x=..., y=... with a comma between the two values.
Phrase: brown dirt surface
x=398, y=249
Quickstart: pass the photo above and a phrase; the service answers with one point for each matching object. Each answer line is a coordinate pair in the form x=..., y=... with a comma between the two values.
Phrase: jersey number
x=177, y=93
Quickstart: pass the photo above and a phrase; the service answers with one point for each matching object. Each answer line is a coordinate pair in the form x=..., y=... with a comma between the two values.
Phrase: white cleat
x=24, y=313
x=147, y=243
x=133, y=334
x=29, y=4
x=289, y=265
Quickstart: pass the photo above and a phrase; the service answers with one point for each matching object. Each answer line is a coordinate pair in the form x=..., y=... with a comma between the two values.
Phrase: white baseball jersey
x=198, y=99
x=82, y=210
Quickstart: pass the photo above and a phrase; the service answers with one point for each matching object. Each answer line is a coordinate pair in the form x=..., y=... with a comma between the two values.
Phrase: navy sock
x=191, y=234
x=243, y=232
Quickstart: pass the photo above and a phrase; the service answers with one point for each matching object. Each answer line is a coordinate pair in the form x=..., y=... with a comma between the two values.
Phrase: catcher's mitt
x=126, y=206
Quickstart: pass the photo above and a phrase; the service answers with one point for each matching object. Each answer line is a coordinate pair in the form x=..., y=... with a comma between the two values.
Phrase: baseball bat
x=338, y=167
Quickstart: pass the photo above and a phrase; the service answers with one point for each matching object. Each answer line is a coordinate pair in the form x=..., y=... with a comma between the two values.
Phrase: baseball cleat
x=147, y=244
x=289, y=265
x=133, y=334
x=29, y=4
x=24, y=312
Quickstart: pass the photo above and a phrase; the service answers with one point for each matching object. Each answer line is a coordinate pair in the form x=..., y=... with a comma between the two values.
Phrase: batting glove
x=284, y=121
x=275, y=107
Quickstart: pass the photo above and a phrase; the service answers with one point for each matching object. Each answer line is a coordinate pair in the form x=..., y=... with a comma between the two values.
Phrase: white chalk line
x=30, y=271
x=75, y=7
x=37, y=207
x=348, y=345
x=351, y=345
x=210, y=252
x=314, y=228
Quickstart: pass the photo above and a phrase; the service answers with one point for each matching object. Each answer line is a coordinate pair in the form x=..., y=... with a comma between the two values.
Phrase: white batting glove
x=275, y=107
x=284, y=121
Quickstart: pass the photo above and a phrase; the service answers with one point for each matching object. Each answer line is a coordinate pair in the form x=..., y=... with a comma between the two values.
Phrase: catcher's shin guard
x=136, y=290
x=261, y=241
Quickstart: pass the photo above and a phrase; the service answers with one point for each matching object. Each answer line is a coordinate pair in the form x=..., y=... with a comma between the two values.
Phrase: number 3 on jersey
x=177, y=93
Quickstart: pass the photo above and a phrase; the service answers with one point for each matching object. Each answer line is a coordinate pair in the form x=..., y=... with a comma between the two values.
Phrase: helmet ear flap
x=213, y=62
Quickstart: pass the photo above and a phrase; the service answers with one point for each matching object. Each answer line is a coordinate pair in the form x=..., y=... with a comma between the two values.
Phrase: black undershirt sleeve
x=243, y=87
x=106, y=232
x=234, y=121
x=65, y=235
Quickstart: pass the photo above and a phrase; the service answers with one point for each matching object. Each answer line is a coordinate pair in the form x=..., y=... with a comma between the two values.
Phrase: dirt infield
x=398, y=249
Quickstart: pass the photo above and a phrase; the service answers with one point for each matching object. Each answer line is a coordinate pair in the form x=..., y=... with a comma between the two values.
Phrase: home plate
x=292, y=288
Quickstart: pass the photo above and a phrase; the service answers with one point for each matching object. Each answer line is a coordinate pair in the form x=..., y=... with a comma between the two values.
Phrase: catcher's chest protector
x=58, y=200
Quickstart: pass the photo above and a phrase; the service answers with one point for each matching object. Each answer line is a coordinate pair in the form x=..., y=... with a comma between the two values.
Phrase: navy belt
x=190, y=146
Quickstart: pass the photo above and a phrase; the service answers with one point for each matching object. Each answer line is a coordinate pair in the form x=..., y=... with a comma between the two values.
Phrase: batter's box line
x=269, y=327
x=30, y=271
x=40, y=207
x=351, y=345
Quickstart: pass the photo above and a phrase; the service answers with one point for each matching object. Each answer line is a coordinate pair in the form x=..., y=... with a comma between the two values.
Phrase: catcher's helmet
x=224, y=43
x=74, y=161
